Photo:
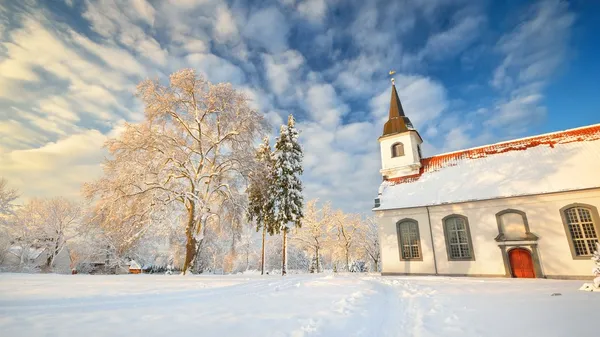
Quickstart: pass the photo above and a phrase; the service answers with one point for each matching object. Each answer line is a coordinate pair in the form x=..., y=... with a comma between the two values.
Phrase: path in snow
x=297, y=305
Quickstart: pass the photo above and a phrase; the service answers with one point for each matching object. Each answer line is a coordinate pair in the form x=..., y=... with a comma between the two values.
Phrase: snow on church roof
x=560, y=161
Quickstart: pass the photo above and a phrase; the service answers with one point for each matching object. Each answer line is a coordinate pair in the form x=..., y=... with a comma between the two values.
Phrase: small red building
x=134, y=267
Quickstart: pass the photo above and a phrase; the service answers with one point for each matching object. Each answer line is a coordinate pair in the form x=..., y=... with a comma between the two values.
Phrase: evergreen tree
x=288, y=200
x=260, y=192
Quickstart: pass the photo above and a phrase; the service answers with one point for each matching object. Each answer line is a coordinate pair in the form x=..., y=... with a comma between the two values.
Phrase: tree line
x=189, y=187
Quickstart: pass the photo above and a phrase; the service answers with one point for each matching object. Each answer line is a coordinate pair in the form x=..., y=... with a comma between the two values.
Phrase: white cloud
x=454, y=40
x=282, y=68
x=111, y=20
x=195, y=46
x=216, y=69
x=56, y=168
x=18, y=135
x=324, y=105
x=532, y=51
x=268, y=28
x=225, y=27
x=518, y=112
x=314, y=10
x=537, y=46
x=144, y=10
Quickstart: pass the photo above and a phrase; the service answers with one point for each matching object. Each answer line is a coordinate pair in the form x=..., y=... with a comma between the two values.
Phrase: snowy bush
x=596, y=270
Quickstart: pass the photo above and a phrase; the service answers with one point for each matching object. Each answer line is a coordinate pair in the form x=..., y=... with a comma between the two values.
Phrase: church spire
x=397, y=121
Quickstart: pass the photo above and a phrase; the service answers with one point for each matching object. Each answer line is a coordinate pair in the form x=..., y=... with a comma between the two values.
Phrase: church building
x=521, y=208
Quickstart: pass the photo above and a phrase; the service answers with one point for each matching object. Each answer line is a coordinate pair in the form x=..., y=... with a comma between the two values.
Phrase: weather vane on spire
x=392, y=72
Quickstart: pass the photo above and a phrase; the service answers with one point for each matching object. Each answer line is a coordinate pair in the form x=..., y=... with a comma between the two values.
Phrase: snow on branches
x=7, y=197
x=192, y=147
x=596, y=270
x=287, y=193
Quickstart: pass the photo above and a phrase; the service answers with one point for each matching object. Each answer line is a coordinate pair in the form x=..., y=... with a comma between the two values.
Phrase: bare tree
x=7, y=197
x=345, y=228
x=312, y=236
x=195, y=140
x=370, y=242
x=44, y=224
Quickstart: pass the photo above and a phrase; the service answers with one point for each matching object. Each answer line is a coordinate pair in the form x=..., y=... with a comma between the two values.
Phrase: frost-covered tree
x=287, y=194
x=260, y=194
x=7, y=198
x=7, y=207
x=596, y=270
x=312, y=236
x=370, y=242
x=247, y=250
x=345, y=231
x=46, y=225
x=195, y=141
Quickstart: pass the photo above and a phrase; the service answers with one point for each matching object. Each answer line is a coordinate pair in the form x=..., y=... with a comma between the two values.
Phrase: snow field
x=295, y=305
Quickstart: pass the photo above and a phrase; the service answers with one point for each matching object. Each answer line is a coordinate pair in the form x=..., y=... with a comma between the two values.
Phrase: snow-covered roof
x=559, y=161
x=32, y=253
x=134, y=265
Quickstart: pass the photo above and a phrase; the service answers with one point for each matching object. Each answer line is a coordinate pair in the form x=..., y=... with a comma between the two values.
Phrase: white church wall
x=543, y=216
x=482, y=224
x=553, y=245
x=390, y=252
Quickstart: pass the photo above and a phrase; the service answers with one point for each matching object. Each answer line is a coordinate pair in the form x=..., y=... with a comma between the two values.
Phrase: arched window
x=581, y=224
x=409, y=241
x=458, y=238
x=397, y=150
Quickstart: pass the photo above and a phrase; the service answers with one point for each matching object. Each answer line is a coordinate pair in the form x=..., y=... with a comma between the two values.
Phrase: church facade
x=521, y=208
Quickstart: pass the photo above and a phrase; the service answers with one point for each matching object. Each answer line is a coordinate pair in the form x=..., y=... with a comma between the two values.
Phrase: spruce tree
x=260, y=194
x=288, y=200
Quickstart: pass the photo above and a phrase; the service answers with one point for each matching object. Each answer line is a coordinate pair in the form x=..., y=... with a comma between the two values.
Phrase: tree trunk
x=318, y=260
x=247, y=257
x=284, y=254
x=190, y=245
x=262, y=256
x=347, y=259
x=51, y=257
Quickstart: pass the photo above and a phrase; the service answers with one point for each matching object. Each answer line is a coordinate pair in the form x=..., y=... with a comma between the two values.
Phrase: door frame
x=505, y=247
x=510, y=251
x=529, y=242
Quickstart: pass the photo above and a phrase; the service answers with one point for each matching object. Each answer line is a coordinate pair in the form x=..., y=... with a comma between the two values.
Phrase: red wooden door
x=521, y=263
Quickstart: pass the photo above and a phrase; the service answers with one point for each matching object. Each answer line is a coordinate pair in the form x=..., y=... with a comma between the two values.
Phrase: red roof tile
x=435, y=163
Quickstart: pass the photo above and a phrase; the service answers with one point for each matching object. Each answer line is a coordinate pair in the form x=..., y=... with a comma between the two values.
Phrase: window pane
x=582, y=230
x=575, y=231
x=410, y=240
x=464, y=248
x=463, y=237
x=457, y=238
x=584, y=215
x=460, y=223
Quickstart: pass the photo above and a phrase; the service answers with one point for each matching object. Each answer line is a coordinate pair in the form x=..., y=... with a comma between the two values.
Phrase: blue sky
x=468, y=73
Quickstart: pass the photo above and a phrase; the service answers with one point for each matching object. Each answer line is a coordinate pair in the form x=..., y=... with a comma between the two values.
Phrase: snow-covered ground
x=297, y=305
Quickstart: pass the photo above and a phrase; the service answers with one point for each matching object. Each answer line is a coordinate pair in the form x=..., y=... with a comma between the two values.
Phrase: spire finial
x=392, y=72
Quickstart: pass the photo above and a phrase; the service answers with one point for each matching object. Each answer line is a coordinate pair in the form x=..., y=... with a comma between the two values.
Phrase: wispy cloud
x=532, y=52
x=66, y=85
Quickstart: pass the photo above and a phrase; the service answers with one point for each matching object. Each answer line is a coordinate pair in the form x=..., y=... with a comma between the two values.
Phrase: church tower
x=400, y=143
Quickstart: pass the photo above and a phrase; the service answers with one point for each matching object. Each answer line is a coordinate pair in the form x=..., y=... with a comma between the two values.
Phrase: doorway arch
x=521, y=263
